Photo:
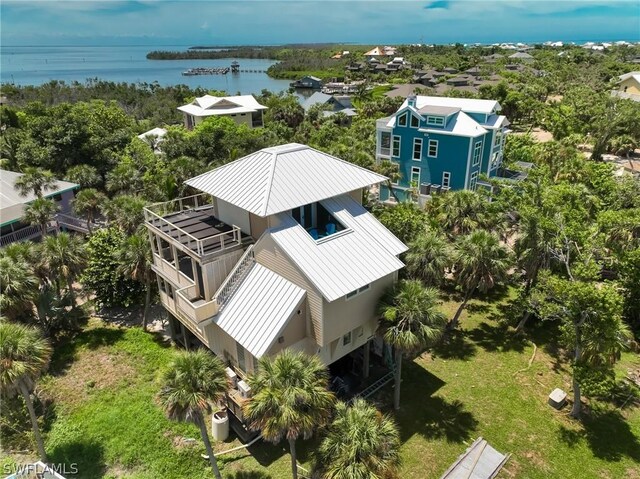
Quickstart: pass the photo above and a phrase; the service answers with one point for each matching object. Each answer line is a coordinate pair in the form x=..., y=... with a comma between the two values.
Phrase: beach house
x=275, y=252
x=242, y=109
x=628, y=86
x=13, y=204
x=440, y=144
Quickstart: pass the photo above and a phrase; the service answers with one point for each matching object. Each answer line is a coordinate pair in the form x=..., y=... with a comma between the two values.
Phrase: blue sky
x=190, y=22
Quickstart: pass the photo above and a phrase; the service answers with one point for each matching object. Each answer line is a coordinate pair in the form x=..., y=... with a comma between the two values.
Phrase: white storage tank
x=220, y=425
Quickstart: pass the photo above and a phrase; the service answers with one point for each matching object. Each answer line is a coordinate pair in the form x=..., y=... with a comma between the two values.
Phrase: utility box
x=557, y=398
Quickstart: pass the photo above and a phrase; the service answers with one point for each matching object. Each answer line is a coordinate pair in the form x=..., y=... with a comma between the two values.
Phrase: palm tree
x=88, y=203
x=65, y=258
x=194, y=380
x=135, y=259
x=290, y=399
x=18, y=287
x=25, y=355
x=40, y=212
x=428, y=258
x=460, y=212
x=85, y=175
x=390, y=170
x=480, y=263
x=34, y=180
x=361, y=443
x=126, y=212
x=410, y=321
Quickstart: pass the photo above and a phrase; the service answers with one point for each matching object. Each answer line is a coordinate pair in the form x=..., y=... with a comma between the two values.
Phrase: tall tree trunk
x=577, y=404
x=392, y=192
x=71, y=293
x=294, y=458
x=43, y=227
x=147, y=302
x=34, y=420
x=453, y=324
x=207, y=445
x=398, y=380
x=523, y=321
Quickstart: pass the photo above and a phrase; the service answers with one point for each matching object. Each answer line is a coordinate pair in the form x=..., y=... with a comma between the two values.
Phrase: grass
x=105, y=417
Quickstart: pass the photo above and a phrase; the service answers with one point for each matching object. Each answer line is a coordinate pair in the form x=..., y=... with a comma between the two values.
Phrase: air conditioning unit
x=232, y=377
x=245, y=390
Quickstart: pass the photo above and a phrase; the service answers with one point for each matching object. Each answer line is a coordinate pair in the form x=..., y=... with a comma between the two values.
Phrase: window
x=433, y=148
x=241, y=360
x=358, y=291
x=359, y=332
x=346, y=339
x=396, y=146
x=435, y=120
x=415, y=121
x=415, y=175
x=477, y=152
x=57, y=197
x=473, y=184
x=402, y=120
x=446, y=179
x=316, y=220
x=385, y=143
x=417, y=149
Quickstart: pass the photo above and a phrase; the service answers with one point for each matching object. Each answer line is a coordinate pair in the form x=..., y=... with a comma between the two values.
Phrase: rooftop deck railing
x=154, y=216
x=235, y=277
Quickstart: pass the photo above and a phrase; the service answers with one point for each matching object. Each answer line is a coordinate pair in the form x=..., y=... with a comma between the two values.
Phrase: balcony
x=196, y=309
x=191, y=224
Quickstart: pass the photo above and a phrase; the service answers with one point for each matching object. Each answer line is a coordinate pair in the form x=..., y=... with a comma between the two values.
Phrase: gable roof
x=634, y=75
x=521, y=55
x=258, y=311
x=365, y=252
x=208, y=105
x=281, y=178
x=377, y=51
x=460, y=125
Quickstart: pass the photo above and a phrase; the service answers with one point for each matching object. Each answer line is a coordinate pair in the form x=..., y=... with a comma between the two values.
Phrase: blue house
x=441, y=143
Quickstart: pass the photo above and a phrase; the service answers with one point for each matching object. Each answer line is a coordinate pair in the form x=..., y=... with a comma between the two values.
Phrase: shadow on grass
x=87, y=457
x=496, y=338
x=248, y=475
x=454, y=345
x=607, y=434
x=94, y=338
x=266, y=453
x=430, y=416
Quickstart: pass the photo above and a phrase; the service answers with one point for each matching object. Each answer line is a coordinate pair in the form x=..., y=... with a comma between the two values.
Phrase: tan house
x=628, y=86
x=243, y=109
x=276, y=252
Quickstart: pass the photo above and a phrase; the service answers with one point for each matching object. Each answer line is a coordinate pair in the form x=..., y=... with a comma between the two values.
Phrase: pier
x=234, y=68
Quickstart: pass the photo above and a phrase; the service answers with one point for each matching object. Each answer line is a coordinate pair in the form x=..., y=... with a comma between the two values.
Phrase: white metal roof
x=281, y=178
x=213, y=105
x=353, y=215
x=344, y=261
x=11, y=203
x=469, y=105
x=157, y=132
x=460, y=125
x=258, y=311
x=634, y=75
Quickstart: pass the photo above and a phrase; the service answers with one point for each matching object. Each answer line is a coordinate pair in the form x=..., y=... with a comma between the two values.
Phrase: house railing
x=187, y=203
x=24, y=234
x=189, y=302
x=220, y=241
x=235, y=277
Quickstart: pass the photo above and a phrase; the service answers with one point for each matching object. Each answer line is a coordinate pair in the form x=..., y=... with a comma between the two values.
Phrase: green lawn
x=106, y=419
